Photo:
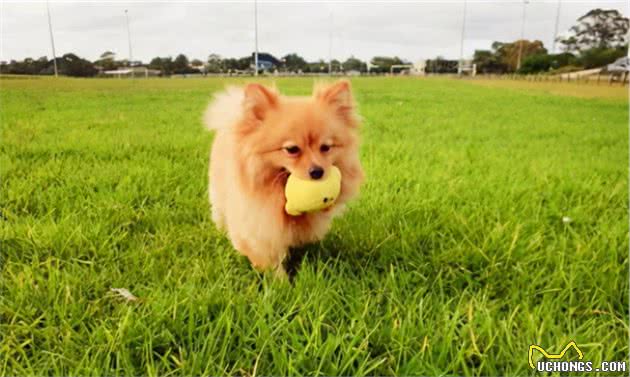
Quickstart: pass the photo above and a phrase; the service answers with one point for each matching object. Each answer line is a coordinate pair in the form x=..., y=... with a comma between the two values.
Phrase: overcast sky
x=412, y=30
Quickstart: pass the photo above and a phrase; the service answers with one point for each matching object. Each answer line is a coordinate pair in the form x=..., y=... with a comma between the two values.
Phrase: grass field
x=453, y=261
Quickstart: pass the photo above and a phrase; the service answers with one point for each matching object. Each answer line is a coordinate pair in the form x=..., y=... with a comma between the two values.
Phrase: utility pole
x=256, y=37
x=52, y=39
x=129, y=41
x=461, y=43
x=555, y=33
x=330, y=41
x=520, y=44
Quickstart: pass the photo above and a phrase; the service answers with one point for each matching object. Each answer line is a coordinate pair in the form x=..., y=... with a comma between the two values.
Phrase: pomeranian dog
x=261, y=138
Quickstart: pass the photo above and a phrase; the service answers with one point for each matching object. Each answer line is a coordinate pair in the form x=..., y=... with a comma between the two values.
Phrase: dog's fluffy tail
x=225, y=109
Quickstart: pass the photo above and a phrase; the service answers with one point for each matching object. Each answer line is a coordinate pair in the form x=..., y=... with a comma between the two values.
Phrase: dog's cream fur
x=250, y=163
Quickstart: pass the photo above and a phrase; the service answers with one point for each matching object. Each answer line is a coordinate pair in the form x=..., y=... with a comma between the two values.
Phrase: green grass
x=453, y=261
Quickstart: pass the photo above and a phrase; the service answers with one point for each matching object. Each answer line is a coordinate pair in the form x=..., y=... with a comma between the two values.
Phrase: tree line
x=597, y=39
x=72, y=65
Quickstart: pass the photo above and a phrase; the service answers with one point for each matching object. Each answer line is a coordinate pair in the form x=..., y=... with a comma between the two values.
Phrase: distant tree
x=441, y=65
x=336, y=66
x=507, y=53
x=107, y=61
x=294, y=62
x=570, y=43
x=488, y=62
x=244, y=63
x=545, y=62
x=165, y=65
x=383, y=63
x=180, y=64
x=241, y=64
x=599, y=28
x=40, y=65
x=72, y=65
x=230, y=64
x=215, y=64
x=535, y=63
x=155, y=63
x=600, y=56
x=562, y=59
x=354, y=64
x=317, y=67
x=28, y=66
x=197, y=65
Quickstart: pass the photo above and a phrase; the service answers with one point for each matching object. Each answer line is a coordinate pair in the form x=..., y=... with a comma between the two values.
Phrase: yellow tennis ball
x=305, y=195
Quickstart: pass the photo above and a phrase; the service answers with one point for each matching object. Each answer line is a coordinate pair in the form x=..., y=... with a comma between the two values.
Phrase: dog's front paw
x=280, y=273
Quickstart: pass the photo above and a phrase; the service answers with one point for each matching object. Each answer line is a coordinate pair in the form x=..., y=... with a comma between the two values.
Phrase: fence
x=600, y=78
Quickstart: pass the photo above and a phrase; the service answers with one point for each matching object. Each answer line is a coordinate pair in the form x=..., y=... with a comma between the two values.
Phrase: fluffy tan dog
x=261, y=138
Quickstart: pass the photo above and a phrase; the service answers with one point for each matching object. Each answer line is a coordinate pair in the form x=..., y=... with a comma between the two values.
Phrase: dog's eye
x=294, y=149
x=324, y=148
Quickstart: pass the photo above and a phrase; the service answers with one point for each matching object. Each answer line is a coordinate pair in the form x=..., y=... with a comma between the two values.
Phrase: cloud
x=411, y=30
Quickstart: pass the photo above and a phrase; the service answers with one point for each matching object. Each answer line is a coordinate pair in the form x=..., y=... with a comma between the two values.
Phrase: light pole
x=461, y=43
x=133, y=73
x=330, y=40
x=555, y=32
x=128, y=37
x=52, y=39
x=520, y=44
x=255, y=37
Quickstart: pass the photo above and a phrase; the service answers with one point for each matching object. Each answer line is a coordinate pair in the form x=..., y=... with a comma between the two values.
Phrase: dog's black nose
x=316, y=172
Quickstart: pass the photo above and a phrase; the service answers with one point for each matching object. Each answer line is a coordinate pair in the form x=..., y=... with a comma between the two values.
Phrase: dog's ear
x=339, y=96
x=258, y=100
